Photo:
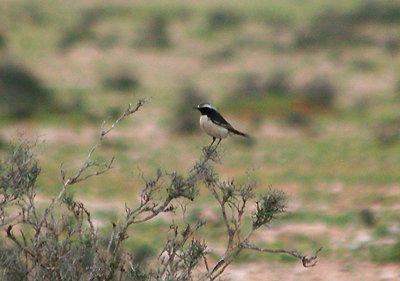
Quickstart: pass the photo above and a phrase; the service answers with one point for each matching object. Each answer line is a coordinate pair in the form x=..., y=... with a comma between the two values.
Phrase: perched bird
x=213, y=124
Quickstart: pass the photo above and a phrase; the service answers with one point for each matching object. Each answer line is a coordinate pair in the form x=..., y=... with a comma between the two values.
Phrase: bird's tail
x=236, y=132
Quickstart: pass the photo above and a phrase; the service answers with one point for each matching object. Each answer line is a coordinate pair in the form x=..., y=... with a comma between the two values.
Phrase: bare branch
x=86, y=164
x=307, y=261
x=111, y=237
x=127, y=112
x=11, y=236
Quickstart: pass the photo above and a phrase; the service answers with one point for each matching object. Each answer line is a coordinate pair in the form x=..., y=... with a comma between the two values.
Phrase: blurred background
x=315, y=83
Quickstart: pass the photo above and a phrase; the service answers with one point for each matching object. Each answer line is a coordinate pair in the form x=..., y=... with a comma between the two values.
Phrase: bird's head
x=205, y=107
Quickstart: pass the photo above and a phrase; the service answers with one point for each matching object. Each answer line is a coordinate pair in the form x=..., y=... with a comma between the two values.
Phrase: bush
x=254, y=86
x=319, y=93
x=385, y=253
x=377, y=11
x=64, y=244
x=297, y=118
x=249, y=85
x=328, y=28
x=82, y=30
x=277, y=84
x=392, y=44
x=368, y=217
x=363, y=64
x=154, y=33
x=34, y=13
x=75, y=35
x=220, y=55
x=274, y=97
x=219, y=19
x=2, y=41
x=185, y=121
x=21, y=93
x=122, y=81
x=256, y=96
x=338, y=27
x=387, y=131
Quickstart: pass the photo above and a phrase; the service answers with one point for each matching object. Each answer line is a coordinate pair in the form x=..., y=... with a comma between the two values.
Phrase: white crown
x=206, y=104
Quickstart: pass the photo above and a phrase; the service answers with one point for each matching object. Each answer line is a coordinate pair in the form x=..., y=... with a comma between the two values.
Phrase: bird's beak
x=195, y=107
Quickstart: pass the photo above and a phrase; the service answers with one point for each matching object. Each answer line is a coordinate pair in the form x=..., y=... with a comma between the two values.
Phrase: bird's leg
x=212, y=142
x=218, y=143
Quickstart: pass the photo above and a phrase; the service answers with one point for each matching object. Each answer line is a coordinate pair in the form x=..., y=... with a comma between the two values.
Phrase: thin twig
x=111, y=237
x=86, y=164
x=307, y=261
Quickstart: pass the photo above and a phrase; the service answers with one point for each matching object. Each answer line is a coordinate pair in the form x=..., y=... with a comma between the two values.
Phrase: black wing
x=217, y=119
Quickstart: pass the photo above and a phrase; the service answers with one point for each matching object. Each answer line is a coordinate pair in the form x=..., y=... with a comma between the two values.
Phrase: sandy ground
x=325, y=270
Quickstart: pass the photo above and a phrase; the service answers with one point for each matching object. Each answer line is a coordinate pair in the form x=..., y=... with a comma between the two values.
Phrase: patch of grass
x=364, y=65
x=385, y=253
x=351, y=161
x=340, y=219
x=153, y=229
x=116, y=145
x=312, y=194
x=106, y=215
x=381, y=231
x=194, y=215
x=143, y=252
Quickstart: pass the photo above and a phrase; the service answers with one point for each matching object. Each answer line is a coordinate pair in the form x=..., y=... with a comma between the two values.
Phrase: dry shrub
x=60, y=242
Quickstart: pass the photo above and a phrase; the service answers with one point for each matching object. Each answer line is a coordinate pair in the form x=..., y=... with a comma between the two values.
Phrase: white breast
x=211, y=129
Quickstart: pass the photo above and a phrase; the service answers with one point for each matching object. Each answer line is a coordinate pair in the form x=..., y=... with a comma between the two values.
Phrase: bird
x=213, y=124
